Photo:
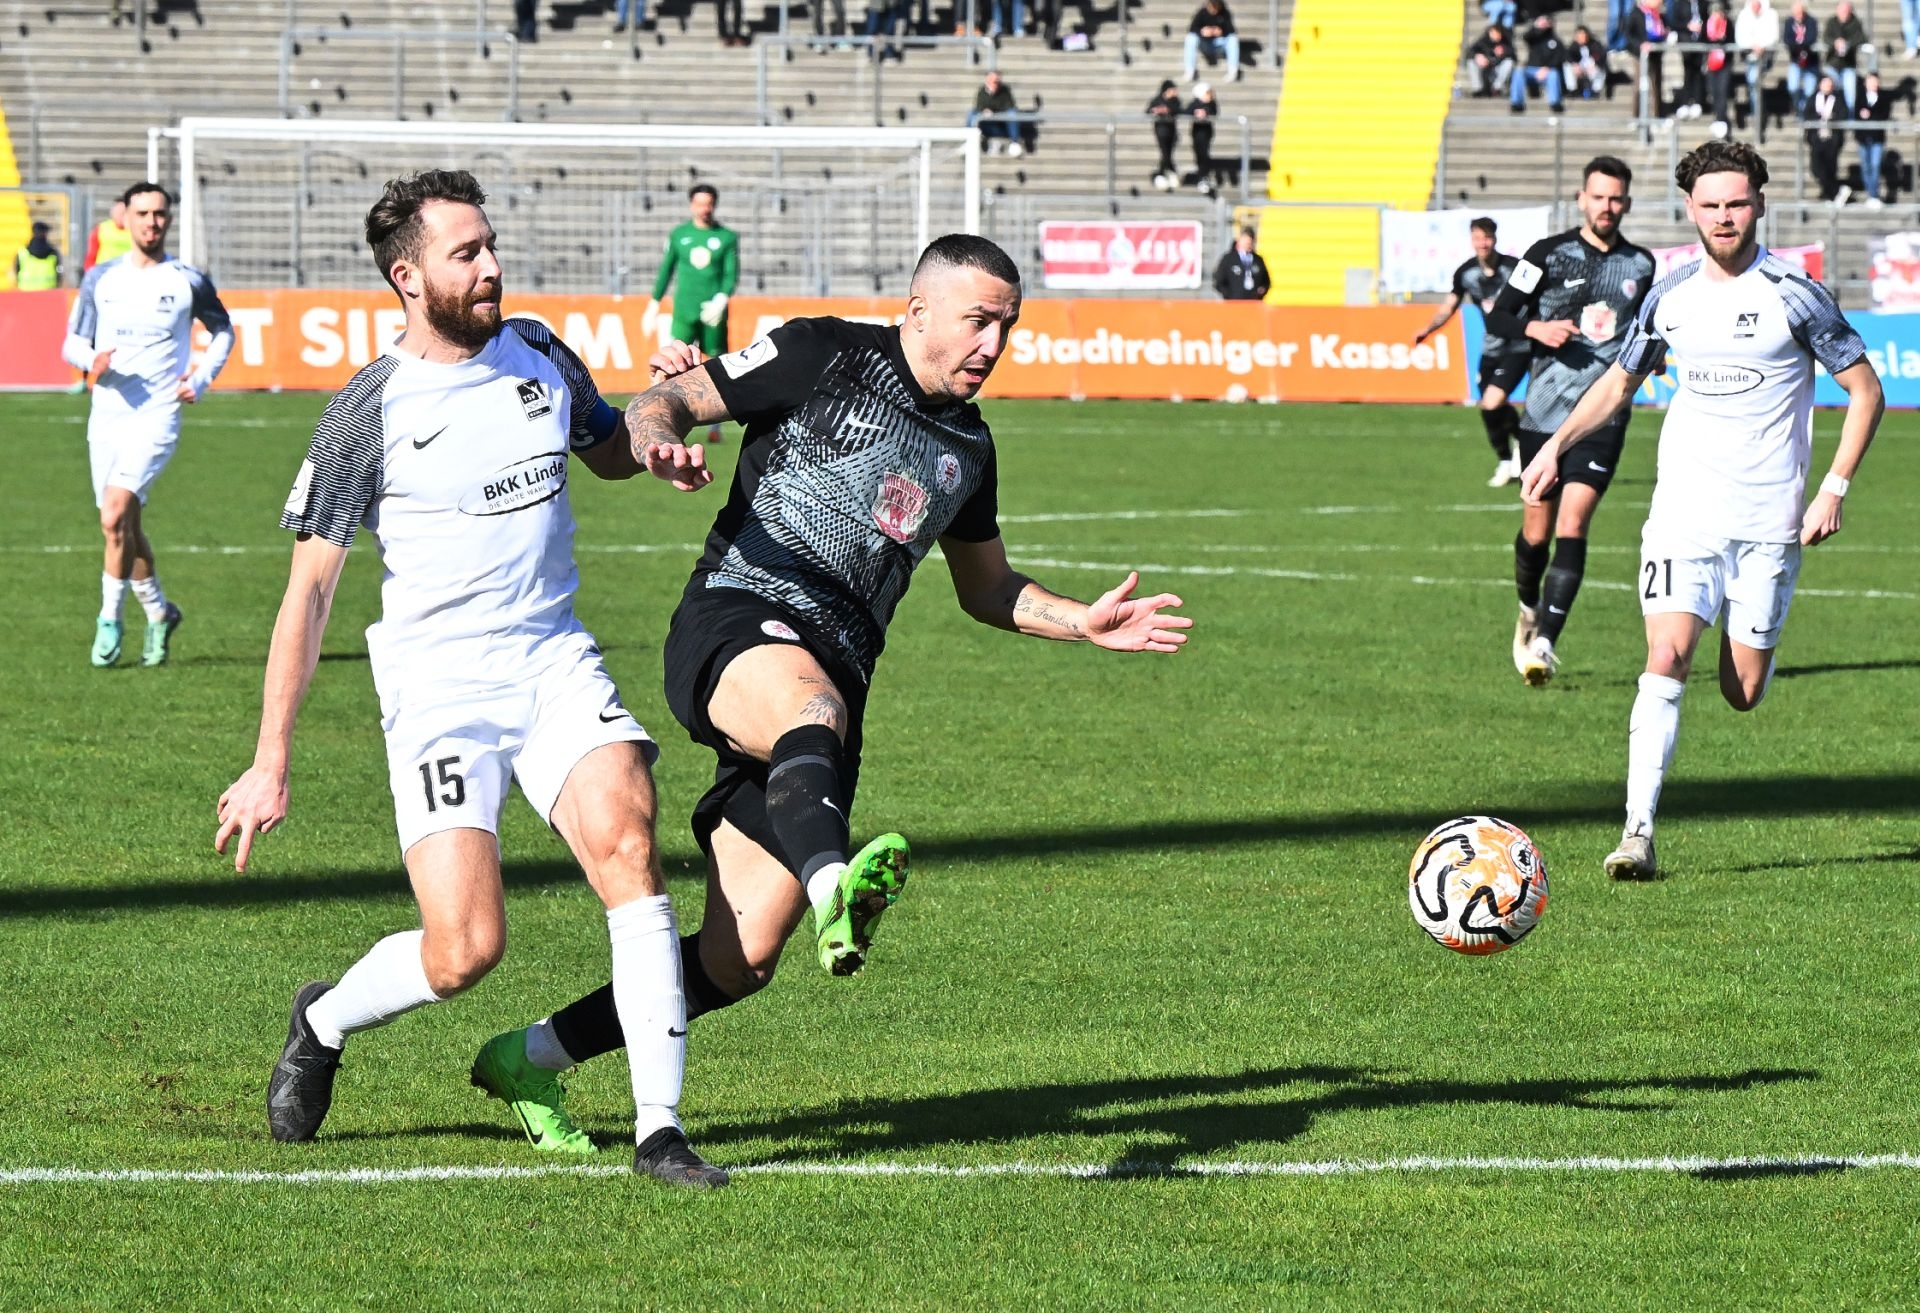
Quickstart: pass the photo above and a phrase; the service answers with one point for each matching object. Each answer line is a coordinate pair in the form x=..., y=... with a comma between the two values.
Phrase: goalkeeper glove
x=649, y=318
x=713, y=310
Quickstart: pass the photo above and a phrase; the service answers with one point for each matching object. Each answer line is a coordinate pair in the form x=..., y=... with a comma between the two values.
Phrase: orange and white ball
x=1477, y=885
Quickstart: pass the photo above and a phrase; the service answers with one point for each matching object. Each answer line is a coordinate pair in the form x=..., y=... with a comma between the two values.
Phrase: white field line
x=24, y=1176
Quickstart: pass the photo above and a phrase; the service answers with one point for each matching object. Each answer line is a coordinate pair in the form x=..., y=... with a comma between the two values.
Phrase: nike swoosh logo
x=1768, y=630
x=1574, y=282
x=830, y=803
x=419, y=443
x=853, y=425
x=1597, y=469
x=676, y=1034
x=1556, y=610
x=608, y=717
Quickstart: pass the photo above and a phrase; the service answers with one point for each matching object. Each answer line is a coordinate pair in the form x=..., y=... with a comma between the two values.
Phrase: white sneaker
x=1541, y=662
x=1505, y=472
x=1015, y=149
x=1524, y=631
x=1633, y=859
x=1844, y=195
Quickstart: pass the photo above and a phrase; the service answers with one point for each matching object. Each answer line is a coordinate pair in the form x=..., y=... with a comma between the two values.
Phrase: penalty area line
x=1125, y=1170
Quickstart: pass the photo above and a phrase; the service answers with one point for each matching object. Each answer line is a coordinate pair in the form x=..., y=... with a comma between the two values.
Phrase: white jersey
x=144, y=314
x=460, y=472
x=1738, y=437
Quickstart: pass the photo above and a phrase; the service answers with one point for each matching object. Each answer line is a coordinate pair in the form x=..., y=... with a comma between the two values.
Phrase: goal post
x=585, y=184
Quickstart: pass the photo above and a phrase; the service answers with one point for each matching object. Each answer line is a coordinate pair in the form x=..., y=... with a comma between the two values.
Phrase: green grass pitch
x=1157, y=924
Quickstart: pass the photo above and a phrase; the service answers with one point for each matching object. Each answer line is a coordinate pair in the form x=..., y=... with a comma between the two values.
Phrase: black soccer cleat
x=666, y=1156
x=301, y=1088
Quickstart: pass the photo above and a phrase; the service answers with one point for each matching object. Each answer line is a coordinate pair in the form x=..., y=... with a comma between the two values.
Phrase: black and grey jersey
x=848, y=474
x=1480, y=287
x=1567, y=277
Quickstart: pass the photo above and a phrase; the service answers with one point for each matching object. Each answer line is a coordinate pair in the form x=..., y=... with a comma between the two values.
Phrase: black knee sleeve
x=1562, y=585
x=1529, y=563
x=1497, y=436
x=806, y=803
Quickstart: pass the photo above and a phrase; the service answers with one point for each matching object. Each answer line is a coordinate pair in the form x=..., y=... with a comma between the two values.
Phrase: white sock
x=113, y=594
x=544, y=1048
x=1650, y=738
x=821, y=886
x=388, y=981
x=152, y=600
x=652, y=1006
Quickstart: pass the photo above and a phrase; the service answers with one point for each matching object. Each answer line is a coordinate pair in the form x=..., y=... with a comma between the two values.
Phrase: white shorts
x=1748, y=585
x=129, y=451
x=449, y=760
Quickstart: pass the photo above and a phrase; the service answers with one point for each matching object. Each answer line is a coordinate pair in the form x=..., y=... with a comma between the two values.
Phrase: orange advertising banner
x=308, y=340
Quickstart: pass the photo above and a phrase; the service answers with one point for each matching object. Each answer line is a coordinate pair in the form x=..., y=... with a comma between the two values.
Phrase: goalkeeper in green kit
x=705, y=258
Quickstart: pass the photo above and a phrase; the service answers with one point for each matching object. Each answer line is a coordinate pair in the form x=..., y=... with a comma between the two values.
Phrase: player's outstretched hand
x=185, y=390
x=683, y=466
x=253, y=804
x=673, y=359
x=1542, y=473
x=1124, y=623
x=1822, y=520
x=100, y=363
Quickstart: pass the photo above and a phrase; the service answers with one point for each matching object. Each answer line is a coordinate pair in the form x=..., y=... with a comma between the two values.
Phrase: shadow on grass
x=1838, y=667
x=1169, y=1118
x=1777, y=798
x=1815, y=863
x=1760, y=1171
x=462, y=1131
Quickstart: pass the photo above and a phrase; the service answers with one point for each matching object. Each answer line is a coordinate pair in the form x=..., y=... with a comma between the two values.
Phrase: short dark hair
x=706, y=187
x=966, y=251
x=141, y=189
x=1484, y=224
x=394, y=228
x=1607, y=166
x=1720, y=157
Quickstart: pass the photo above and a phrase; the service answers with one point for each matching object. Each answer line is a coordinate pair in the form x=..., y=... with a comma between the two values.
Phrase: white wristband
x=1836, y=485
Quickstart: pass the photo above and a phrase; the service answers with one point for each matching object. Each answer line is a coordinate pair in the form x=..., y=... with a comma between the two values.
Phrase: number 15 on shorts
x=443, y=783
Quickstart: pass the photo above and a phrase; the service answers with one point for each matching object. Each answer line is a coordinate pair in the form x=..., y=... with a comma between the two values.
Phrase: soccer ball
x=1477, y=885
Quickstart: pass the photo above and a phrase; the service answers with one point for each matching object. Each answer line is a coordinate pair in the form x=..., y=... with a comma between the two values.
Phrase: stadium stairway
x=1358, y=78
x=82, y=94
x=1491, y=158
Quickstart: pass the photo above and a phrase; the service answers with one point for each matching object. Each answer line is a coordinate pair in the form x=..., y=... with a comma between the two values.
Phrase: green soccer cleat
x=868, y=886
x=106, y=642
x=160, y=637
x=535, y=1094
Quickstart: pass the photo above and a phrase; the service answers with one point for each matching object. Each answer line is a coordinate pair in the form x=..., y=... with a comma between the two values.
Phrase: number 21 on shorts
x=443, y=783
x=1659, y=574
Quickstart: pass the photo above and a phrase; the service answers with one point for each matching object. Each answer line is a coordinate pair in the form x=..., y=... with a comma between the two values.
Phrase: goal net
x=579, y=207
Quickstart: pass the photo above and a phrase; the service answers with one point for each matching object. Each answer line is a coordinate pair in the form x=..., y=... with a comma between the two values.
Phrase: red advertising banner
x=1187, y=349
x=1111, y=257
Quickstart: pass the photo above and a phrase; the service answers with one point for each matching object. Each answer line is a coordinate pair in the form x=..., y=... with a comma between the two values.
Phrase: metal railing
x=872, y=51
x=1112, y=123
x=480, y=24
x=293, y=39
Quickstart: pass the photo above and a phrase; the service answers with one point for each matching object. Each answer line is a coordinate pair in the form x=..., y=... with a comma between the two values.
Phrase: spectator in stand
x=1545, y=54
x=890, y=15
x=1506, y=13
x=109, y=239
x=1211, y=33
x=526, y=21
x=1205, y=112
x=1164, y=110
x=1719, y=68
x=1006, y=17
x=1586, y=68
x=1910, y=27
x=1687, y=20
x=1825, y=109
x=1241, y=274
x=730, y=19
x=1844, y=34
x=1618, y=12
x=819, y=8
x=1874, y=106
x=1800, y=34
x=1757, y=31
x=36, y=266
x=1647, y=37
x=634, y=13
x=993, y=111
x=1491, y=61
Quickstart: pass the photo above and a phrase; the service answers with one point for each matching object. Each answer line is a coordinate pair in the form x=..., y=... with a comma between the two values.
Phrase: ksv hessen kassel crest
x=946, y=472
x=901, y=507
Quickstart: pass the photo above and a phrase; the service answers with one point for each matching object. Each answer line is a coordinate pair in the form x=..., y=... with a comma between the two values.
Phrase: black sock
x=1529, y=563
x=1509, y=426
x=590, y=1026
x=1497, y=434
x=1562, y=585
x=804, y=803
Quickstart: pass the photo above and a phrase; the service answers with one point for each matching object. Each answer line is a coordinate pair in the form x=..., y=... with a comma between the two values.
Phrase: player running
x=704, y=258
x=1573, y=294
x=132, y=330
x=452, y=449
x=1722, y=539
x=1479, y=281
x=861, y=452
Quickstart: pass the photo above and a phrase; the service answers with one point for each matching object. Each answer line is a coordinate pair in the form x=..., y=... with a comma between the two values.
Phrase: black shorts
x=1504, y=370
x=1591, y=461
x=710, y=628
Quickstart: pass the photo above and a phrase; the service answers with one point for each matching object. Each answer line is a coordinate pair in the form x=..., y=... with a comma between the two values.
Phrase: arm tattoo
x=668, y=411
x=1041, y=607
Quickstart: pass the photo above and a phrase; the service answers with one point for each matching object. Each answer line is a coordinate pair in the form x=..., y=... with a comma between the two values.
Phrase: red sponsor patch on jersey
x=901, y=507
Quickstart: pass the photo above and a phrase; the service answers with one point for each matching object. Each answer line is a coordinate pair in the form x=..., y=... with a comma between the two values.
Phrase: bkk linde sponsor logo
x=1235, y=355
x=518, y=486
x=1721, y=380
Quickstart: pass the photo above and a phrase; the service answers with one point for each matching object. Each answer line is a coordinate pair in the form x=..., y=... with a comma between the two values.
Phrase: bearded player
x=1723, y=537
